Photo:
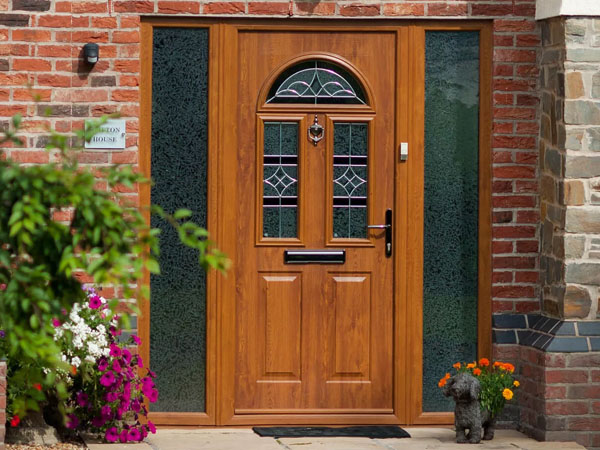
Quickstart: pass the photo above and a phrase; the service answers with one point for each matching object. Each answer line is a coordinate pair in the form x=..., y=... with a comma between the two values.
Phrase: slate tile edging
x=546, y=333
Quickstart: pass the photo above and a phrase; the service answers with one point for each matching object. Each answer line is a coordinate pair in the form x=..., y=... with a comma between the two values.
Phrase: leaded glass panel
x=450, y=276
x=178, y=165
x=350, y=167
x=317, y=82
x=280, y=180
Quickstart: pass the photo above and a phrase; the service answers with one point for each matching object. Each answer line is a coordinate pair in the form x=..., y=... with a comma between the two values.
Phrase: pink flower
x=2, y=287
x=56, y=323
x=111, y=397
x=116, y=366
x=115, y=350
x=98, y=422
x=82, y=399
x=140, y=362
x=126, y=356
x=135, y=406
x=111, y=435
x=106, y=412
x=151, y=427
x=134, y=435
x=102, y=364
x=153, y=396
x=136, y=339
x=73, y=422
x=144, y=431
x=107, y=379
x=123, y=436
x=95, y=302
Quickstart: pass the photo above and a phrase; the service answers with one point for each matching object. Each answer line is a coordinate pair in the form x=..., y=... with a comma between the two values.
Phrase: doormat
x=373, y=432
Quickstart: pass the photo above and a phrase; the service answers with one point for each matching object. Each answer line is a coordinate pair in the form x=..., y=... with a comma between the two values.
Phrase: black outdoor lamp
x=90, y=53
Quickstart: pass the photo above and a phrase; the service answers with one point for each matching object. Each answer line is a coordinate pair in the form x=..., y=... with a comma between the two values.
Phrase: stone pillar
x=560, y=351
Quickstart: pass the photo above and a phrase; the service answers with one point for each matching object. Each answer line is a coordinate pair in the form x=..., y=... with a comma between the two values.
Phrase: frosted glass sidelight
x=451, y=207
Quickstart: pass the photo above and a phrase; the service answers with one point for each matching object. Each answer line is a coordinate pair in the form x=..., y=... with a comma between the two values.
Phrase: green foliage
x=41, y=258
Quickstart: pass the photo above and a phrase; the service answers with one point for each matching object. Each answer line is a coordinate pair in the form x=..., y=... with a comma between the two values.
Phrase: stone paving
x=246, y=439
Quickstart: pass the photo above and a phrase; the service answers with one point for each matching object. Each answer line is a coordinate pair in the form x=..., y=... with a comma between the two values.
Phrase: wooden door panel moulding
x=314, y=419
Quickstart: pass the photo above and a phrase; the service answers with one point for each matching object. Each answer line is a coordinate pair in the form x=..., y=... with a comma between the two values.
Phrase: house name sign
x=111, y=135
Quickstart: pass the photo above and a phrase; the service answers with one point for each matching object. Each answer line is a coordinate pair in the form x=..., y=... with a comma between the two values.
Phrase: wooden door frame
x=222, y=174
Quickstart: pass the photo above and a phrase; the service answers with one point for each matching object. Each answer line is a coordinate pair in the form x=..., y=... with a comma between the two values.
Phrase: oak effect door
x=315, y=167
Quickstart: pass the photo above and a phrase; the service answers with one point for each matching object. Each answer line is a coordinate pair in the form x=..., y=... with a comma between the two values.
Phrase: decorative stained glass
x=280, y=180
x=451, y=208
x=178, y=165
x=318, y=82
x=350, y=159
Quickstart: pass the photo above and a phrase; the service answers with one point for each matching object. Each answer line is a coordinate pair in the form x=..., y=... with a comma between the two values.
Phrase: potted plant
x=480, y=391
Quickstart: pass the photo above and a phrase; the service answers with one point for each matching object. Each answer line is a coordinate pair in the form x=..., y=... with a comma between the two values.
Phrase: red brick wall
x=41, y=41
x=560, y=396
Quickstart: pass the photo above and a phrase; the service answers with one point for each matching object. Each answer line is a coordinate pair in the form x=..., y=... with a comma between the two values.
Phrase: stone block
x=574, y=138
x=595, y=199
x=576, y=27
x=595, y=185
x=592, y=138
x=583, y=273
x=548, y=189
x=596, y=40
x=596, y=85
x=583, y=220
x=553, y=162
x=581, y=112
x=583, y=54
x=582, y=166
x=574, y=85
x=577, y=302
x=574, y=246
x=574, y=193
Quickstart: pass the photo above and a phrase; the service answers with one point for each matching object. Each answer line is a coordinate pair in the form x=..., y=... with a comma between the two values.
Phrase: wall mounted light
x=90, y=53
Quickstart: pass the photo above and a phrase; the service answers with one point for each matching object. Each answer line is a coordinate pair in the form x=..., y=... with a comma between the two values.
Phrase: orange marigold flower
x=73, y=370
x=477, y=371
x=456, y=365
x=497, y=364
x=507, y=394
x=509, y=367
x=442, y=382
x=484, y=362
x=471, y=366
x=516, y=383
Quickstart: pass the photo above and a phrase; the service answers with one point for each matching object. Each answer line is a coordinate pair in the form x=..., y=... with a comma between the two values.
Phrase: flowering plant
x=496, y=380
x=107, y=393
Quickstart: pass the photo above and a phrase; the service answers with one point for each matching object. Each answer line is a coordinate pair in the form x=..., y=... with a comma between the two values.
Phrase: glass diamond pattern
x=280, y=180
x=350, y=157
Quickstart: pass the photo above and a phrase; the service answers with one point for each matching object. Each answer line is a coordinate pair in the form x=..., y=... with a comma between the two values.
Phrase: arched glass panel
x=316, y=82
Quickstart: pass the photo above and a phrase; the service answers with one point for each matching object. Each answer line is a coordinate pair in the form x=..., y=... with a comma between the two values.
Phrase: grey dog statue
x=468, y=415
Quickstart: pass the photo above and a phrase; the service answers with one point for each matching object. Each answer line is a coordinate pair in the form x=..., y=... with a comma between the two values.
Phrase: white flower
x=76, y=361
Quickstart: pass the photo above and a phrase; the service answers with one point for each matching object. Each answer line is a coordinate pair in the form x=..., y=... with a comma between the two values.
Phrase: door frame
x=408, y=239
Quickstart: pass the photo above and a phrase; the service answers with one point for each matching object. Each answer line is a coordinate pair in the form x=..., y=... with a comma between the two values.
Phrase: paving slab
x=245, y=439
x=213, y=439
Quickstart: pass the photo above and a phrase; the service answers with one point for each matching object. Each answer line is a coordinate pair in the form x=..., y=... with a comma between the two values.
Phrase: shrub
x=102, y=236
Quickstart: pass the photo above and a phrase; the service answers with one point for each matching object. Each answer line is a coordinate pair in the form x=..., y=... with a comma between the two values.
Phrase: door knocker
x=316, y=131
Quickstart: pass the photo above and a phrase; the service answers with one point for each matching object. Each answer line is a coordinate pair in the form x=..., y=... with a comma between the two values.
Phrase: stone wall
x=2, y=403
x=570, y=167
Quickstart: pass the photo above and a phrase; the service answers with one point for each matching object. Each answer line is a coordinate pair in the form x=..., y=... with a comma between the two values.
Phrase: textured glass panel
x=316, y=82
x=179, y=155
x=280, y=180
x=451, y=208
x=350, y=148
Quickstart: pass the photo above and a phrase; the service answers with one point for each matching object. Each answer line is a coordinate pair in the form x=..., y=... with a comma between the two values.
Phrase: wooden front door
x=314, y=336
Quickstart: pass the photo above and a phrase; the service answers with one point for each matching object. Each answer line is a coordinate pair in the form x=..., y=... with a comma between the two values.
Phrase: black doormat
x=373, y=432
